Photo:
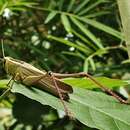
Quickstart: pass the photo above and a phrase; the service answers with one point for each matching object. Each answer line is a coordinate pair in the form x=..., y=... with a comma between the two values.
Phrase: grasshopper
x=29, y=75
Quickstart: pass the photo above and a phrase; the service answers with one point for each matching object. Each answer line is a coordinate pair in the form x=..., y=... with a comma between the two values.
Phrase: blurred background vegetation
x=61, y=36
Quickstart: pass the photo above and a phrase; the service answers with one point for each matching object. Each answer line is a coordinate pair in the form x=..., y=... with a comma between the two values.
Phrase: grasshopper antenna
x=2, y=45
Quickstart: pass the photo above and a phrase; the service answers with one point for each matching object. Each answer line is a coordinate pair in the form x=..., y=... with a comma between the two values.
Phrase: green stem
x=124, y=8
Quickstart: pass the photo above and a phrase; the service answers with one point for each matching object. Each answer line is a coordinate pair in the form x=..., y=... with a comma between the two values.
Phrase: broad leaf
x=93, y=109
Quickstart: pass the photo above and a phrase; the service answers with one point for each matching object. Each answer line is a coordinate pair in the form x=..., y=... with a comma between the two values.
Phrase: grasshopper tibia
x=67, y=112
x=9, y=85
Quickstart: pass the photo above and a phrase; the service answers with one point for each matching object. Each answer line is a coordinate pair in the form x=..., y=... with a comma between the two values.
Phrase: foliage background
x=61, y=36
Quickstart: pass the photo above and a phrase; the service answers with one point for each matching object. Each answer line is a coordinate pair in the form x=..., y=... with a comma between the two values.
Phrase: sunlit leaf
x=87, y=83
x=3, y=83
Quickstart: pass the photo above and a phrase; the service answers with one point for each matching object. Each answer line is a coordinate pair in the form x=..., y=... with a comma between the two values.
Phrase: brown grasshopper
x=48, y=81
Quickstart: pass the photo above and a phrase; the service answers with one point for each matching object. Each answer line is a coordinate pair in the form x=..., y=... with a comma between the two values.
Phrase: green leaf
x=3, y=83
x=50, y=16
x=90, y=7
x=85, y=66
x=74, y=54
x=92, y=64
x=126, y=61
x=2, y=7
x=23, y=3
x=84, y=39
x=87, y=83
x=61, y=3
x=89, y=50
x=93, y=109
x=68, y=43
x=17, y=8
x=86, y=31
x=66, y=23
x=70, y=6
x=103, y=27
x=81, y=5
x=97, y=14
x=1, y=127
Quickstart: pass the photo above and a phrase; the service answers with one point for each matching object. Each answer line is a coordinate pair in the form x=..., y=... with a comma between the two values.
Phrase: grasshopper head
x=10, y=65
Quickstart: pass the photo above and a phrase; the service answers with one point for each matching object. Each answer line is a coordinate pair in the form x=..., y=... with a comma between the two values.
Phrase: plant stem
x=124, y=8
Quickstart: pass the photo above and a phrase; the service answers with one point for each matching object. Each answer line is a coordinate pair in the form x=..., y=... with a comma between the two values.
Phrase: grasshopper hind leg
x=84, y=74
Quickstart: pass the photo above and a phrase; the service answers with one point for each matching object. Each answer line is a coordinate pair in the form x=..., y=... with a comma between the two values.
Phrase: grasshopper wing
x=33, y=76
x=47, y=84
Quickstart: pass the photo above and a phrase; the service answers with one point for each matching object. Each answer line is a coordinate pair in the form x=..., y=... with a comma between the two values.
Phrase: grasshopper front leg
x=9, y=85
x=104, y=88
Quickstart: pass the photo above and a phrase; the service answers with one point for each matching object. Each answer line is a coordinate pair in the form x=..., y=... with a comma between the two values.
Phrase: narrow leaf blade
x=103, y=27
x=81, y=5
x=50, y=16
x=66, y=23
x=86, y=32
